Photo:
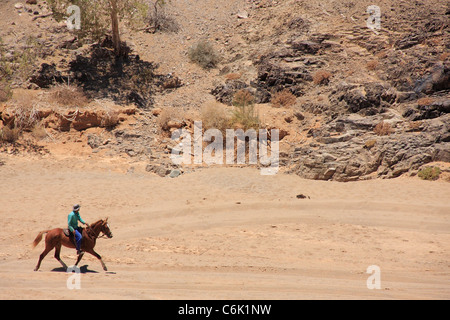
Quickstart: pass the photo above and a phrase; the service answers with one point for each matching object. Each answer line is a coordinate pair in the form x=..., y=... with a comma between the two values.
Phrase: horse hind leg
x=42, y=256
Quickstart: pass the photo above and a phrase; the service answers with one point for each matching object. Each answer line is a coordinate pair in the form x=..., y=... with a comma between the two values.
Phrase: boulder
x=158, y=169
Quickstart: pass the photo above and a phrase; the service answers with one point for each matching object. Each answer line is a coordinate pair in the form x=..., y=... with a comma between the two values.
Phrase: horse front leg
x=95, y=254
x=57, y=256
x=80, y=256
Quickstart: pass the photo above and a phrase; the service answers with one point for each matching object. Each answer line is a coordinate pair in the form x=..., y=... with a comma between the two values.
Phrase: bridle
x=91, y=232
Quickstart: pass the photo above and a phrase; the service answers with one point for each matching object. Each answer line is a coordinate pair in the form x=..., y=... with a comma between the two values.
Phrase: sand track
x=225, y=233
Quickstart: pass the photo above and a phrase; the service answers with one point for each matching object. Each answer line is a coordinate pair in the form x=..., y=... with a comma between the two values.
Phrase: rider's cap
x=76, y=207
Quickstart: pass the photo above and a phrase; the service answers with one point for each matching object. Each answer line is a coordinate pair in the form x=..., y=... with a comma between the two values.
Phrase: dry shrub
x=204, y=54
x=243, y=98
x=383, y=129
x=24, y=111
x=170, y=117
x=110, y=119
x=426, y=101
x=283, y=98
x=39, y=132
x=444, y=56
x=214, y=116
x=415, y=126
x=10, y=135
x=165, y=116
x=370, y=144
x=68, y=95
x=244, y=115
x=159, y=20
x=107, y=112
x=233, y=76
x=321, y=77
x=5, y=91
x=372, y=65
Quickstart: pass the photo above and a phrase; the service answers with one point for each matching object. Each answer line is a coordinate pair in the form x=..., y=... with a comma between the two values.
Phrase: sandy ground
x=224, y=233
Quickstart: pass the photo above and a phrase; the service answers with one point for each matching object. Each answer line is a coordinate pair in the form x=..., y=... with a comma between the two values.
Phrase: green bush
x=429, y=173
x=204, y=54
x=244, y=114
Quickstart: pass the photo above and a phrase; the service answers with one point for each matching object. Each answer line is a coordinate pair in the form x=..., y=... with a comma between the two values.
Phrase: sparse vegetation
x=9, y=135
x=244, y=114
x=24, y=112
x=215, y=116
x=101, y=15
x=204, y=54
x=370, y=144
x=283, y=98
x=68, y=95
x=39, y=132
x=159, y=20
x=233, y=76
x=444, y=56
x=170, y=118
x=372, y=65
x=425, y=101
x=5, y=91
x=383, y=129
x=321, y=77
x=415, y=126
x=429, y=173
x=110, y=119
x=19, y=65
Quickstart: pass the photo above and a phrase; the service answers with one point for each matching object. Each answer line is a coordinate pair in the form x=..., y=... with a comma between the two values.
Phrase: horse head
x=101, y=226
x=105, y=228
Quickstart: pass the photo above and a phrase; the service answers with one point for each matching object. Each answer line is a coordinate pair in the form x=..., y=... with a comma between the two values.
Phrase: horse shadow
x=83, y=269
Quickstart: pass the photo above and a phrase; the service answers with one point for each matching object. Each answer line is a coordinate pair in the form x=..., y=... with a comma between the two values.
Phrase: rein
x=91, y=233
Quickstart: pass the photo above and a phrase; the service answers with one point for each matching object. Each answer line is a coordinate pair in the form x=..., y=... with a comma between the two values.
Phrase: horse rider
x=73, y=219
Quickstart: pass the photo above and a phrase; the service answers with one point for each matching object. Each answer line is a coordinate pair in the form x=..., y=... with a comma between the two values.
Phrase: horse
x=55, y=238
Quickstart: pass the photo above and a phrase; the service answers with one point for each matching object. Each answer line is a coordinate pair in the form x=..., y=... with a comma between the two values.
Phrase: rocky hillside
x=367, y=103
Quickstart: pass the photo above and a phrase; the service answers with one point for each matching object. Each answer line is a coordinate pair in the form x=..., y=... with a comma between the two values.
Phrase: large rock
x=158, y=169
x=224, y=93
x=436, y=80
x=348, y=150
x=367, y=99
x=434, y=109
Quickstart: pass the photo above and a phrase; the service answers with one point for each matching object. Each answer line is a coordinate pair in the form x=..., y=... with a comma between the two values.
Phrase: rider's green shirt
x=73, y=219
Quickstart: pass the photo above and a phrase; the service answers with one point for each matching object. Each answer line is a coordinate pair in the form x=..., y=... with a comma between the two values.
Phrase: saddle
x=67, y=232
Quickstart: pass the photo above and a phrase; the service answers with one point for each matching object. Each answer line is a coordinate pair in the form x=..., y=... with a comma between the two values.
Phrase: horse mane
x=99, y=221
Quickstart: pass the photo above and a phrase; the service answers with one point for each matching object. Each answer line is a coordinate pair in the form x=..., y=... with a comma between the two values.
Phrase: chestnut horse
x=56, y=237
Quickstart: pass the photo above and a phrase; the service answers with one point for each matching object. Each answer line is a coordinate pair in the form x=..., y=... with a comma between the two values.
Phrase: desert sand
x=223, y=233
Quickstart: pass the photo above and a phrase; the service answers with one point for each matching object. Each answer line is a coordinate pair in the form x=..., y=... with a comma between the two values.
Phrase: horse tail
x=38, y=238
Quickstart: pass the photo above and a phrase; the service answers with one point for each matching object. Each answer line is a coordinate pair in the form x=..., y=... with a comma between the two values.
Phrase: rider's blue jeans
x=78, y=239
